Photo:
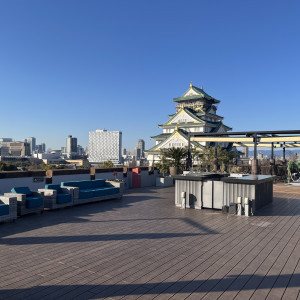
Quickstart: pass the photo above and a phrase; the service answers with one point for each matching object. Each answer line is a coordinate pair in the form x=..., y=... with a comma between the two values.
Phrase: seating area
x=22, y=200
x=27, y=200
x=8, y=208
x=56, y=196
x=87, y=191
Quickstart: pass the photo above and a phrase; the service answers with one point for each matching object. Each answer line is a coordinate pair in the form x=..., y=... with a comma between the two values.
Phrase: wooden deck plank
x=144, y=247
x=292, y=290
x=285, y=275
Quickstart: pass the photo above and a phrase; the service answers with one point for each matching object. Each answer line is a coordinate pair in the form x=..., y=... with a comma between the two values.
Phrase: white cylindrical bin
x=246, y=202
x=183, y=200
x=239, y=206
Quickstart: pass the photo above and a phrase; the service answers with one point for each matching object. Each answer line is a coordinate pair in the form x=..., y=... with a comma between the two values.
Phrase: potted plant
x=290, y=166
x=175, y=156
x=163, y=166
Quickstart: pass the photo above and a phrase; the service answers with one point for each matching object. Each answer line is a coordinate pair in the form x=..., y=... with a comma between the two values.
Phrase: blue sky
x=70, y=67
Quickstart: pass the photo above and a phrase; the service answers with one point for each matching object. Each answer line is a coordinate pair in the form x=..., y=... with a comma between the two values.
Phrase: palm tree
x=175, y=156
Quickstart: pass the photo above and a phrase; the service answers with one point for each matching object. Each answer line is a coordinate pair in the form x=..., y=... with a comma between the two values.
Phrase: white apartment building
x=105, y=145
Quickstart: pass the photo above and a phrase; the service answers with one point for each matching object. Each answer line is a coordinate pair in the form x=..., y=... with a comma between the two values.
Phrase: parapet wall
x=37, y=179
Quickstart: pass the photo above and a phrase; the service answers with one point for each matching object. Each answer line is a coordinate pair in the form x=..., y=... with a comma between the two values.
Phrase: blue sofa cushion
x=63, y=198
x=4, y=209
x=70, y=183
x=106, y=191
x=52, y=187
x=84, y=184
x=32, y=202
x=86, y=193
x=22, y=190
x=92, y=188
x=97, y=183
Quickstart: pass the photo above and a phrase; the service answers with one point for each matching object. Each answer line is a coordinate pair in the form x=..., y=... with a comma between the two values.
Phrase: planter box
x=164, y=181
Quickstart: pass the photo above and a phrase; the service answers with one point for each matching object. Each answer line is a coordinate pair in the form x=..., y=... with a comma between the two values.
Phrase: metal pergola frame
x=272, y=139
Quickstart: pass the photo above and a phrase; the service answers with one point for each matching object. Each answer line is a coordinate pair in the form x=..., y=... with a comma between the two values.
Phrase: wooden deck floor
x=143, y=247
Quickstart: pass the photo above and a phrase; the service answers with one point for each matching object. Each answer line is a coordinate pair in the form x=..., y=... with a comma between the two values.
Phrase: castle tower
x=195, y=112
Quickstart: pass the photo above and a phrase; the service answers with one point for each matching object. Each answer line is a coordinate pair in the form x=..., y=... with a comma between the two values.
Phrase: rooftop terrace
x=144, y=247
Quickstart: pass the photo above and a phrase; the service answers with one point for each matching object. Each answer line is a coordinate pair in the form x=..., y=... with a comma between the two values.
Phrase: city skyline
x=71, y=67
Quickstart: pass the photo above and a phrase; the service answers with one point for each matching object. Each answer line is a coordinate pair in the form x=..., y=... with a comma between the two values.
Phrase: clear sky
x=70, y=67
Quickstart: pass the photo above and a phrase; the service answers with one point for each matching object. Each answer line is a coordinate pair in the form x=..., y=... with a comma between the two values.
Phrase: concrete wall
x=74, y=177
x=110, y=176
x=6, y=184
x=148, y=180
x=8, y=180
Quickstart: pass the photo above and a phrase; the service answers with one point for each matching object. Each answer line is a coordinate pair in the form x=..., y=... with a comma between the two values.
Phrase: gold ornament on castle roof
x=199, y=108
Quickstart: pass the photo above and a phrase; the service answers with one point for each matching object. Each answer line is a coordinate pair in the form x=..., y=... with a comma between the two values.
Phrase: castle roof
x=192, y=119
x=194, y=93
x=176, y=133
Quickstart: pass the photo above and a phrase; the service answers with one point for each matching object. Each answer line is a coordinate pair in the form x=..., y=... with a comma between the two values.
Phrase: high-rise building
x=137, y=153
x=32, y=142
x=41, y=148
x=104, y=146
x=71, y=147
x=141, y=146
x=80, y=150
x=123, y=151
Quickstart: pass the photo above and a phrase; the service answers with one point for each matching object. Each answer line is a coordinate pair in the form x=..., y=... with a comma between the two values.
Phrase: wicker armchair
x=28, y=201
x=56, y=196
x=8, y=208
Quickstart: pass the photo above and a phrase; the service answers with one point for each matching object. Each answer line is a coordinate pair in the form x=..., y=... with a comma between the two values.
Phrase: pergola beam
x=243, y=140
x=258, y=145
x=255, y=139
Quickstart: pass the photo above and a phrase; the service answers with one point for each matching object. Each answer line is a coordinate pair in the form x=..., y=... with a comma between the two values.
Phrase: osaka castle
x=196, y=111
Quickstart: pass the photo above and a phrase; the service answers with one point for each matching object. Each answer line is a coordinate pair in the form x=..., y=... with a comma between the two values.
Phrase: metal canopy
x=273, y=139
x=283, y=138
x=247, y=133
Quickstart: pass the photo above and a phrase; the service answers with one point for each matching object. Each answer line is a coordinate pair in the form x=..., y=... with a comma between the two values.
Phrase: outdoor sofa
x=8, y=208
x=87, y=191
x=56, y=196
x=27, y=201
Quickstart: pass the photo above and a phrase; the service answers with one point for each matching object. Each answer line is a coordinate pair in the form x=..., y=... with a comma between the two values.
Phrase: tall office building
x=141, y=146
x=71, y=147
x=80, y=150
x=137, y=153
x=32, y=144
x=41, y=148
x=105, y=145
